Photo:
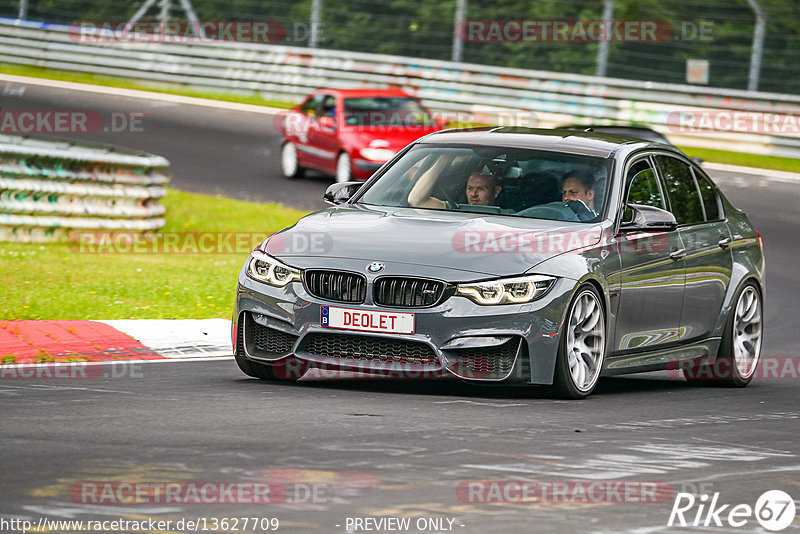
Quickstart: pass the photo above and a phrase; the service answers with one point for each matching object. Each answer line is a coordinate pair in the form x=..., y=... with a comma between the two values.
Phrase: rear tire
x=582, y=349
x=740, y=349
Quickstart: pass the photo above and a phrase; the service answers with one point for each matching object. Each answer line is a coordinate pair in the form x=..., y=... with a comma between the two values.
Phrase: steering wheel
x=438, y=192
x=556, y=211
x=581, y=210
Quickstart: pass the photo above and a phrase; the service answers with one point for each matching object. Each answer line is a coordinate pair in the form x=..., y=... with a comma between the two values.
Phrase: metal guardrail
x=50, y=188
x=491, y=94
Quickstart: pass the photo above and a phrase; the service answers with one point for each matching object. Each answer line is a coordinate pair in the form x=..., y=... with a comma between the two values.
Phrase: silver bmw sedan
x=515, y=256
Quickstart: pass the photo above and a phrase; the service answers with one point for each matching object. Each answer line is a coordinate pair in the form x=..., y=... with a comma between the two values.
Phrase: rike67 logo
x=774, y=510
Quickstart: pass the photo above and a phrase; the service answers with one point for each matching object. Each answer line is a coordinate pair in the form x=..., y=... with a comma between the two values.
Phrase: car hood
x=416, y=240
x=392, y=138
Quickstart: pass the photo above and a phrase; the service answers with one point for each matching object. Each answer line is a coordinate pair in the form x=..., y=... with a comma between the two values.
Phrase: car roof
x=347, y=93
x=641, y=132
x=556, y=140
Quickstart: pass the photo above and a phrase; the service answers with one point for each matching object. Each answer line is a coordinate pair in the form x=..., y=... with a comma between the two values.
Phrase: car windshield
x=495, y=180
x=393, y=111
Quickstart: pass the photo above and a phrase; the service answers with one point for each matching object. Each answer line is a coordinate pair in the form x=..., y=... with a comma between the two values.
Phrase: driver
x=578, y=186
x=482, y=189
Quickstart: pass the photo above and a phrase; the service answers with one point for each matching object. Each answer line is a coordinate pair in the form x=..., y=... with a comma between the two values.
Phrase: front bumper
x=456, y=338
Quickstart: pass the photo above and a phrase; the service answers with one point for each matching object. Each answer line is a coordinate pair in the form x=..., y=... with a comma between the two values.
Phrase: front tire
x=344, y=170
x=582, y=349
x=288, y=371
x=740, y=349
x=290, y=166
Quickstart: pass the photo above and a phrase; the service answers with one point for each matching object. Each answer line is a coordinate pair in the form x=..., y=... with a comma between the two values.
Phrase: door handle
x=725, y=242
x=677, y=253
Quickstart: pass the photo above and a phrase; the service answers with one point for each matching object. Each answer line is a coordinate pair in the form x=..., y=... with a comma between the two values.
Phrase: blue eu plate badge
x=324, y=315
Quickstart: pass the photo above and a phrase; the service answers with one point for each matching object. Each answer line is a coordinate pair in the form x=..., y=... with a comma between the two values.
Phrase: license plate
x=366, y=320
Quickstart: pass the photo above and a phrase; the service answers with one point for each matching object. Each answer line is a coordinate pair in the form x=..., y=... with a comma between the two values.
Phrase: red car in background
x=350, y=133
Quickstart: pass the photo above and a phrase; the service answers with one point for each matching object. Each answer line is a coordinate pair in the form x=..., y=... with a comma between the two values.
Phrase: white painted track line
x=766, y=173
x=146, y=95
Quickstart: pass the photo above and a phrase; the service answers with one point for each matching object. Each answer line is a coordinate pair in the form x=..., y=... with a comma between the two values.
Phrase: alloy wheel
x=747, y=332
x=585, y=347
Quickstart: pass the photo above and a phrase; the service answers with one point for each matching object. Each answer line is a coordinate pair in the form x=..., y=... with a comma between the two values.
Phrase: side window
x=642, y=188
x=310, y=105
x=682, y=191
x=709, y=195
x=326, y=106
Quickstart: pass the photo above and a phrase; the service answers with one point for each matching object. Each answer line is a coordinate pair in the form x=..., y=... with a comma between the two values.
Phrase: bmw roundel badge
x=375, y=267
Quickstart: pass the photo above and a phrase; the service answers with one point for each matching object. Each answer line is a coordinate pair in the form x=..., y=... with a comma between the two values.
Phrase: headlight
x=377, y=154
x=267, y=269
x=508, y=290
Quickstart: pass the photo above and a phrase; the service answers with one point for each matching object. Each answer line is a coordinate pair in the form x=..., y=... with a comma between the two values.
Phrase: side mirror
x=327, y=122
x=340, y=193
x=648, y=219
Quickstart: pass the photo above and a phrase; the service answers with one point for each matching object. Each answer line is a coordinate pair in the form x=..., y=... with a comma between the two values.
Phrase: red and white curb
x=123, y=340
x=188, y=338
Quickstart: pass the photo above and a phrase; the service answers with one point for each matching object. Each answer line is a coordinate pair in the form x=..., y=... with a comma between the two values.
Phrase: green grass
x=127, y=83
x=745, y=160
x=59, y=281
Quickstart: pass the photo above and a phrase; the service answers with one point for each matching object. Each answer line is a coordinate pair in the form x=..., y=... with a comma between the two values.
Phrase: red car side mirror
x=327, y=122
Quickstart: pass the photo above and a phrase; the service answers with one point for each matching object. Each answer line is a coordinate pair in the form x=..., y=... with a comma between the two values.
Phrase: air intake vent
x=338, y=286
x=368, y=349
x=265, y=342
x=271, y=340
x=407, y=292
x=490, y=363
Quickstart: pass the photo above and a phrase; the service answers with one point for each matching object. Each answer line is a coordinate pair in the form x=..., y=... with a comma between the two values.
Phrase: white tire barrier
x=50, y=188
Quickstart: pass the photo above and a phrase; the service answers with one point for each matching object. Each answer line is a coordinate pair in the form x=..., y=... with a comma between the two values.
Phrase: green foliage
x=720, y=31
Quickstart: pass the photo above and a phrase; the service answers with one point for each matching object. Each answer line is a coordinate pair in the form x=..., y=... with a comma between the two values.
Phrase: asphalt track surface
x=383, y=449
